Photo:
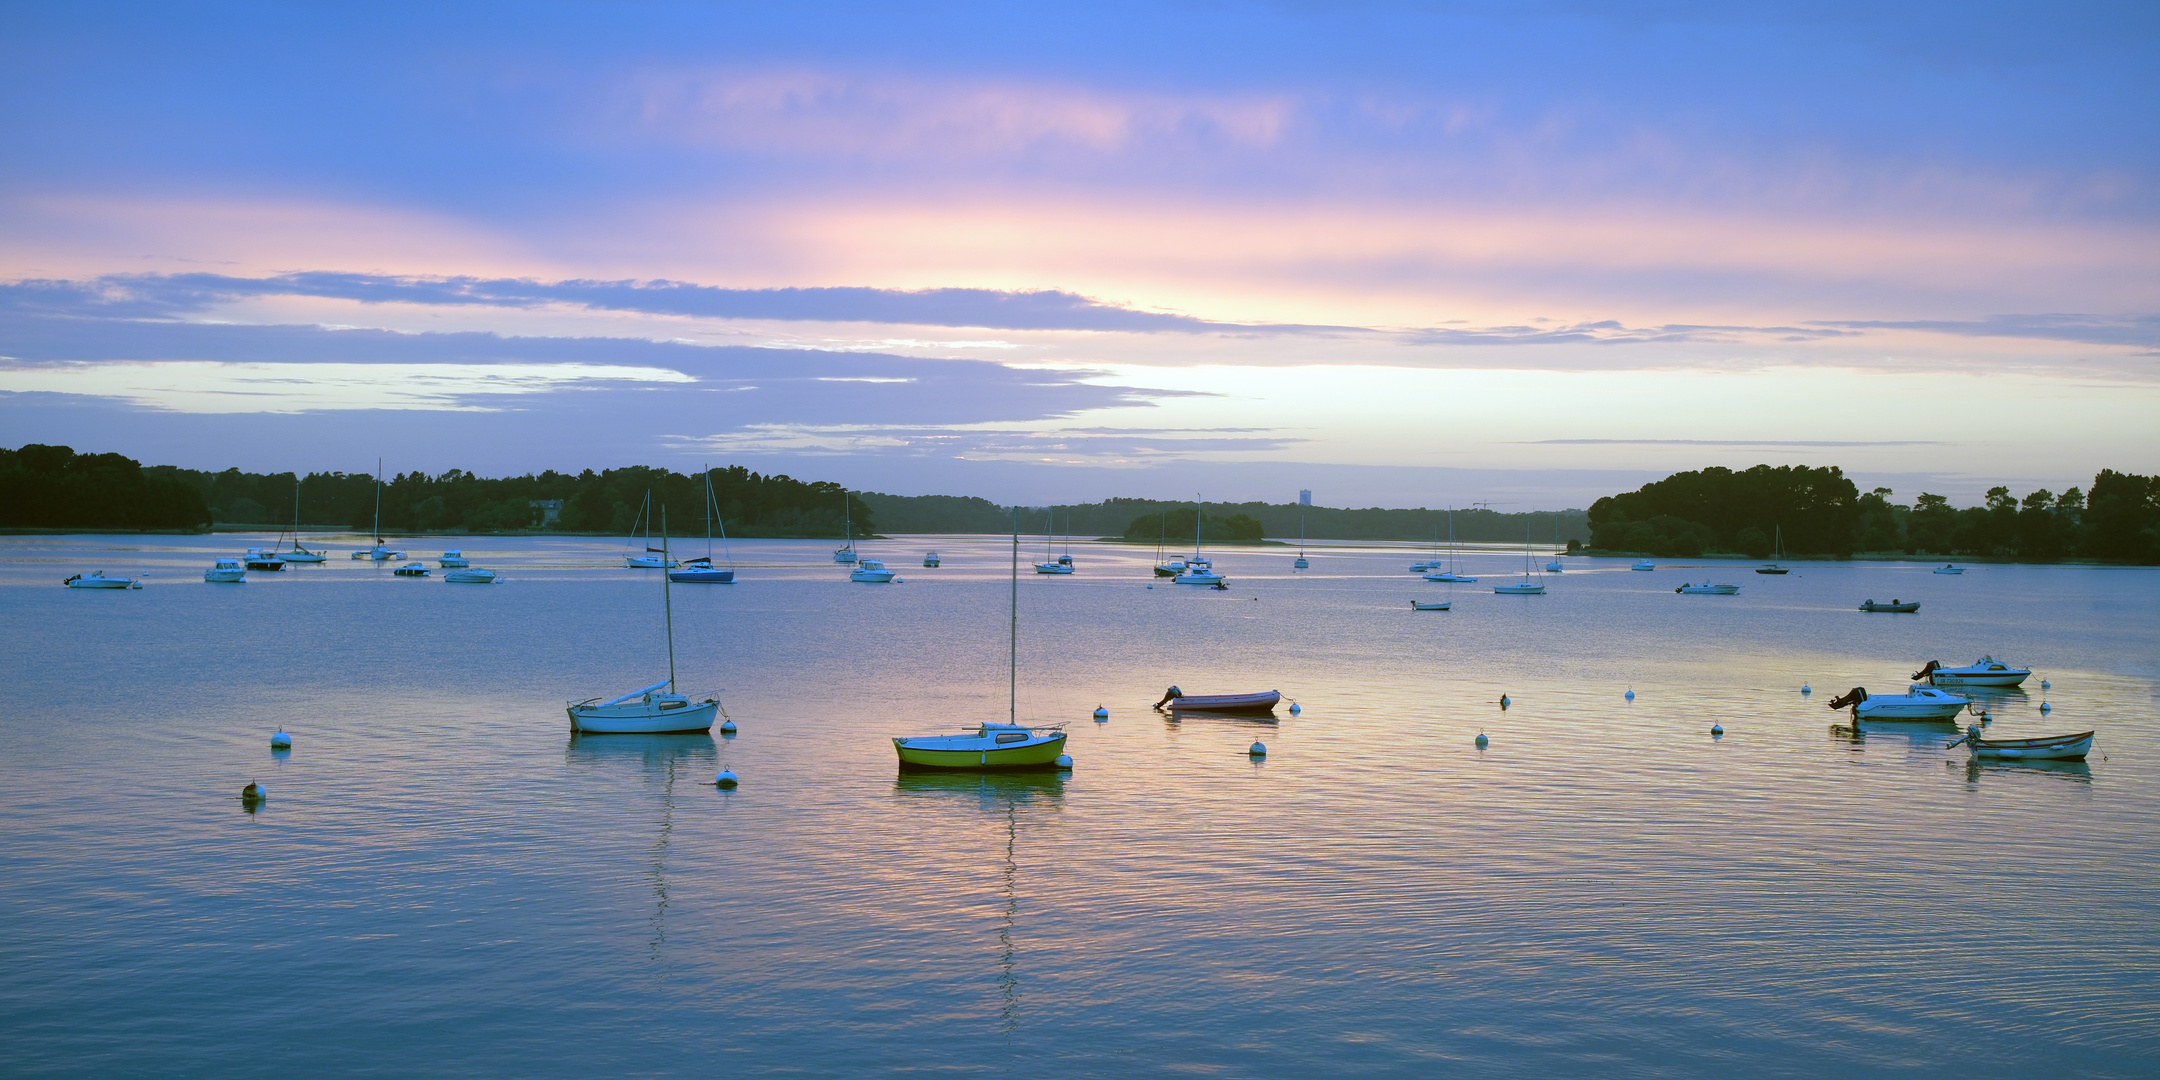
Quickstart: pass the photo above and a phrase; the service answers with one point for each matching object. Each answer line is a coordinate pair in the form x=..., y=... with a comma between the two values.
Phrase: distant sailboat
x=845, y=553
x=652, y=558
x=378, y=553
x=1198, y=571
x=655, y=709
x=1776, y=553
x=700, y=571
x=1451, y=574
x=1525, y=587
x=299, y=554
x=1302, y=563
x=1051, y=564
x=1553, y=567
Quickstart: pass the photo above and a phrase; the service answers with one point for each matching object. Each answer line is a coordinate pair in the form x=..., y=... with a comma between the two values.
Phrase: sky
x=1399, y=254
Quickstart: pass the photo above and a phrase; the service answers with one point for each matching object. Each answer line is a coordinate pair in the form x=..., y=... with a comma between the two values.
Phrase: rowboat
x=1895, y=605
x=1986, y=671
x=991, y=746
x=1917, y=703
x=1180, y=701
x=96, y=579
x=2044, y=748
x=1431, y=605
x=1708, y=589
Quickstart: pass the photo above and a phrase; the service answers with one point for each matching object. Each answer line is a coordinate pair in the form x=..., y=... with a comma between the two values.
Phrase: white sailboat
x=300, y=554
x=701, y=571
x=845, y=553
x=1302, y=563
x=651, y=710
x=1198, y=571
x=1051, y=564
x=1553, y=567
x=1452, y=573
x=1525, y=587
x=652, y=558
x=378, y=553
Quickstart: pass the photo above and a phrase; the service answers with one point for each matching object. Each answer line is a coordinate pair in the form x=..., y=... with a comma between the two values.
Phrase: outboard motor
x=1169, y=696
x=1926, y=674
x=1850, y=699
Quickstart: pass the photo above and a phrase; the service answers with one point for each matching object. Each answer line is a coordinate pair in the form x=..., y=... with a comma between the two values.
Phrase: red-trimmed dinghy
x=1180, y=701
x=2045, y=748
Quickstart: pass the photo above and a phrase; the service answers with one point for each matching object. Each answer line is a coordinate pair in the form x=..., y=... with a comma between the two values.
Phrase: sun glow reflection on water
x=443, y=878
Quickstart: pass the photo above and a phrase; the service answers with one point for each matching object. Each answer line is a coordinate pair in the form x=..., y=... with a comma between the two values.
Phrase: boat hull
x=702, y=577
x=1456, y=579
x=1227, y=703
x=95, y=581
x=638, y=718
x=1052, y=568
x=2055, y=748
x=1920, y=704
x=477, y=576
x=1520, y=589
x=1420, y=605
x=1708, y=590
x=1893, y=608
x=948, y=753
x=1950, y=570
x=871, y=577
x=1201, y=577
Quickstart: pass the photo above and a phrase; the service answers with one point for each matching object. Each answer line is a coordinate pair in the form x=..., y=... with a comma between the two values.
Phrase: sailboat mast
x=378, y=502
x=667, y=598
x=1012, y=647
x=1196, y=516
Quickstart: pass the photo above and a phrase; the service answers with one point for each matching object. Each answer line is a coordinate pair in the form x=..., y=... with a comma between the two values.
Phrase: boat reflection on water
x=660, y=760
x=1005, y=795
x=1262, y=719
x=1975, y=768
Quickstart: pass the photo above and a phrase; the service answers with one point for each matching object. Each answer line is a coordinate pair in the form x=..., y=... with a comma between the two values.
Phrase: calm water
x=445, y=880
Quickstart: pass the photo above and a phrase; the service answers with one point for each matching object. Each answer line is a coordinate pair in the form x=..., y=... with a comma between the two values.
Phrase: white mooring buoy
x=727, y=727
x=1481, y=740
x=725, y=778
x=1295, y=708
x=1806, y=689
x=2044, y=684
x=1630, y=695
x=1717, y=731
x=1101, y=713
x=280, y=741
x=1064, y=761
x=1257, y=749
x=2045, y=707
x=253, y=793
x=1503, y=701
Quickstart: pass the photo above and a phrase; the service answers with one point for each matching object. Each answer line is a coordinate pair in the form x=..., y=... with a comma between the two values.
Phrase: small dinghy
x=1180, y=701
x=1897, y=606
x=1946, y=568
x=2043, y=748
x=1644, y=565
x=1917, y=703
x=96, y=579
x=654, y=710
x=1431, y=605
x=1986, y=671
x=1708, y=589
x=989, y=747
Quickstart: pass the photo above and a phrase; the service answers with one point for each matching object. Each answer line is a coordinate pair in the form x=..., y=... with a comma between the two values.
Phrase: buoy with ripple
x=1630, y=695
x=1064, y=761
x=2044, y=684
x=1101, y=713
x=1295, y=708
x=1481, y=740
x=1503, y=701
x=1717, y=730
x=253, y=794
x=280, y=741
x=727, y=727
x=1806, y=689
x=2045, y=707
x=1258, y=749
x=725, y=778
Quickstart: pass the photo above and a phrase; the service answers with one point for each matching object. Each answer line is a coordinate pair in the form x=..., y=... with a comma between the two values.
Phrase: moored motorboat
x=471, y=575
x=1431, y=605
x=1452, y=577
x=453, y=559
x=1198, y=575
x=1053, y=568
x=1917, y=703
x=1986, y=671
x=2041, y=748
x=411, y=570
x=1947, y=568
x=872, y=571
x=1644, y=565
x=226, y=570
x=1895, y=605
x=700, y=571
x=1708, y=589
x=930, y=560
x=989, y=747
x=1180, y=701
x=96, y=579
x=259, y=559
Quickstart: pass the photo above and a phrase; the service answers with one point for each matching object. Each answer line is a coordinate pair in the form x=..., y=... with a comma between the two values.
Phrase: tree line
x=1144, y=520
x=1821, y=512
x=54, y=487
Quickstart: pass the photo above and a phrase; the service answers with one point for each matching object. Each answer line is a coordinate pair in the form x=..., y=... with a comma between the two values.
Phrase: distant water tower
x=1304, y=497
